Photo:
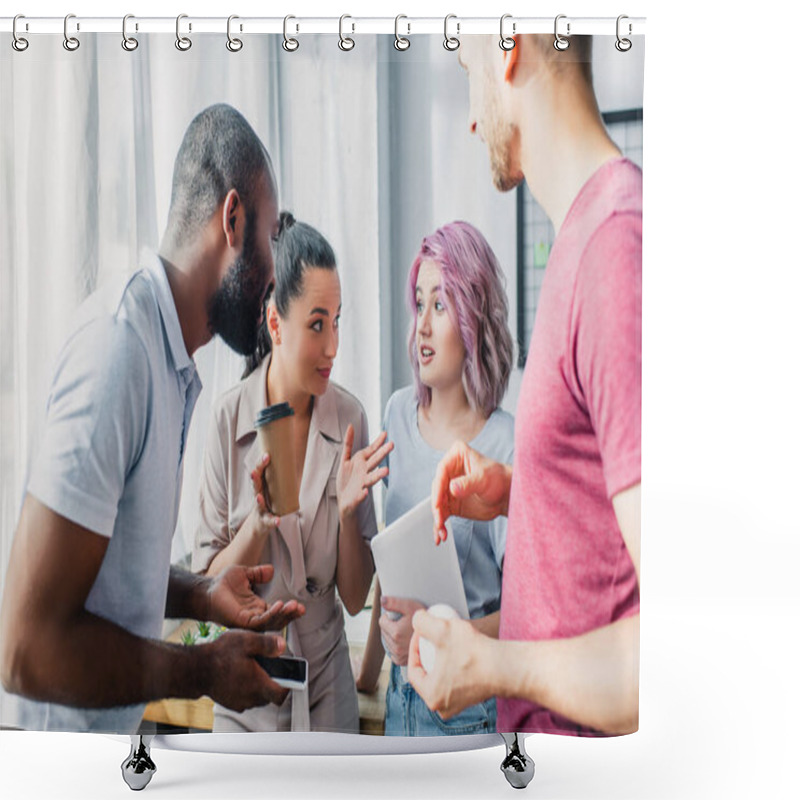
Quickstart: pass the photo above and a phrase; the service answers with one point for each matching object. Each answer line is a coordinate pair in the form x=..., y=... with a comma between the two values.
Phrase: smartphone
x=286, y=671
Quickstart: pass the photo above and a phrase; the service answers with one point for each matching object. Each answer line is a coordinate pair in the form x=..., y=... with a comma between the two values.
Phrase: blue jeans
x=407, y=714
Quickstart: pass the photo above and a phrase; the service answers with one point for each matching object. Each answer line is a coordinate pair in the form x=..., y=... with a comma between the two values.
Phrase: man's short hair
x=219, y=152
x=579, y=52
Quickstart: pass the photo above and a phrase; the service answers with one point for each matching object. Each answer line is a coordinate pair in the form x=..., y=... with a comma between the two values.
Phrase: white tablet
x=410, y=565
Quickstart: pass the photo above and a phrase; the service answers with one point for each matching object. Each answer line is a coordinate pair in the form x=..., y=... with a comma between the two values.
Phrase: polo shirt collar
x=169, y=314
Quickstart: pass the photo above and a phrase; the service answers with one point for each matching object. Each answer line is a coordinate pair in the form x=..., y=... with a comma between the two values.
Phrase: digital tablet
x=411, y=565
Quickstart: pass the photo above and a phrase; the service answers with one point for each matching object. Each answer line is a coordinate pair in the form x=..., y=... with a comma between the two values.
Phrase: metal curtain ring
x=451, y=42
x=401, y=42
x=507, y=42
x=345, y=42
x=183, y=43
x=560, y=43
x=233, y=44
x=129, y=43
x=71, y=43
x=623, y=45
x=289, y=44
x=19, y=43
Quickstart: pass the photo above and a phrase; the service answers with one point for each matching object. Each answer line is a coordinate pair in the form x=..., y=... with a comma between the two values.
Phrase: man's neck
x=563, y=142
x=190, y=294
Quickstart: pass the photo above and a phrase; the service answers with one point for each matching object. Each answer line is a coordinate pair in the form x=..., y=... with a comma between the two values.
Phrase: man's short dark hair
x=219, y=152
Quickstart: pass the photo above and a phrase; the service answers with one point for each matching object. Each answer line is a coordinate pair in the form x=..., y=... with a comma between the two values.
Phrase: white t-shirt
x=111, y=460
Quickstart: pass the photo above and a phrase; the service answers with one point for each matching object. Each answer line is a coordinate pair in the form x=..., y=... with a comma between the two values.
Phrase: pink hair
x=473, y=284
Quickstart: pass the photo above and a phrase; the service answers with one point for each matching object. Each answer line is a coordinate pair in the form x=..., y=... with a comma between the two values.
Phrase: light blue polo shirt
x=111, y=460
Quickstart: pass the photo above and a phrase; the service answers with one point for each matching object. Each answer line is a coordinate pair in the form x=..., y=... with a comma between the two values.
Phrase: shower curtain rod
x=299, y=25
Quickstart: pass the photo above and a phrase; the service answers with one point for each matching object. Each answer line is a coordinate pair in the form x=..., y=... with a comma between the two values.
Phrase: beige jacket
x=304, y=549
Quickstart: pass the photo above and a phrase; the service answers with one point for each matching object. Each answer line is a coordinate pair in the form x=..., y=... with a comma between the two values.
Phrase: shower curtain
x=372, y=146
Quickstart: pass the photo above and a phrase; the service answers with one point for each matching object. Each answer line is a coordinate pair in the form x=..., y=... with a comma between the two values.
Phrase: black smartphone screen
x=288, y=669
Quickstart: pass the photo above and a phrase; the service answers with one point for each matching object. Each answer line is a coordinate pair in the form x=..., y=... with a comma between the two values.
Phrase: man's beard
x=234, y=309
x=499, y=137
x=503, y=177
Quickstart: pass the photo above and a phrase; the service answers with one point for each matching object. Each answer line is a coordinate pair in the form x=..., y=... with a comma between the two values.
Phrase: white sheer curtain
x=88, y=144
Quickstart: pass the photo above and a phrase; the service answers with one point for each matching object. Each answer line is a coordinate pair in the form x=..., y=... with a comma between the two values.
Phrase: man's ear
x=233, y=219
x=273, y=323
x=511, y=60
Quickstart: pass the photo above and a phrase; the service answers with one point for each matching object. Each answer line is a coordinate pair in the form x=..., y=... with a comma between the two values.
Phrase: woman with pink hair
x=461, y=354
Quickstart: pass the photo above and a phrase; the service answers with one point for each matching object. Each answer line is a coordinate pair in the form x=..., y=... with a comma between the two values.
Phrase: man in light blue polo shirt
x=89, y=580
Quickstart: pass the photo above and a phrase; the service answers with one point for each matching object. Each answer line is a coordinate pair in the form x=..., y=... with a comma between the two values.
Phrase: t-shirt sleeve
x=607, y=325
x=213, y=532
x=96, y=424
x=387, y=426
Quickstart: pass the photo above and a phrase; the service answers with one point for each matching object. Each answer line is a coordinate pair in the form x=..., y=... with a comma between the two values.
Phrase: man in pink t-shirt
x=568, y=656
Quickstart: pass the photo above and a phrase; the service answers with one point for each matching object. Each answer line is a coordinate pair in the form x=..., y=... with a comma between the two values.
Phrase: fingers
x=429, y=627
x=466, y=485
x=371, y=478
x=267, y=517
x=262, y=573
x=451, y=466
x=275, y=694
x=374, y=445
x=375, y=453
x=257, y=475
x=267, y=645
x=392, y=640
x=400, y=605
x=378, y=455
x=414, y=659
x=349, y=435
x=279, y=615
x=417, y=676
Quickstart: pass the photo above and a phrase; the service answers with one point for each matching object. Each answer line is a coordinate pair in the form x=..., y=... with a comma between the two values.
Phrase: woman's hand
x=468, y=484
x=261, y=518
x=396, y=631
x=358, y=473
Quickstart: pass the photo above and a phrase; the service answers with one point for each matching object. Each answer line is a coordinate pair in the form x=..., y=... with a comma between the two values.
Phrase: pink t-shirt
x=578, y=434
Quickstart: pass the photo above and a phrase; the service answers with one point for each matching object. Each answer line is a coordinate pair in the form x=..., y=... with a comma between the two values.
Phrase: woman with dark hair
x=461, y=352
x=323, y=548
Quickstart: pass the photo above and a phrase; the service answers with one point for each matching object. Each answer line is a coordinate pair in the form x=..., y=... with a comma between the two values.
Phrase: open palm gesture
x=358, y=473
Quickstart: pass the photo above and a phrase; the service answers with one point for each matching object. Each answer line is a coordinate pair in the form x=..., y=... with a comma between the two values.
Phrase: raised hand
x=468, y=484
x=358, y=473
